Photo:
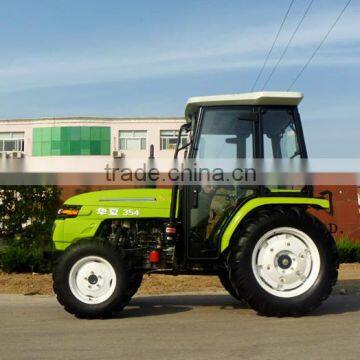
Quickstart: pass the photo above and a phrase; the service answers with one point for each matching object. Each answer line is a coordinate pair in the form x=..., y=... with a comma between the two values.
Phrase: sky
x=145, y=58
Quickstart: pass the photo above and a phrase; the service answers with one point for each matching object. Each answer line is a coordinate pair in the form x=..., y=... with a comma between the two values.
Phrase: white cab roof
x=254, y=98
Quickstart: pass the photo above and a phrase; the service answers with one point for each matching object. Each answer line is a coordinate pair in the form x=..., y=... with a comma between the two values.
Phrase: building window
x=168, y=139
x=71, y=140
x=11, y=141
x=132, y=140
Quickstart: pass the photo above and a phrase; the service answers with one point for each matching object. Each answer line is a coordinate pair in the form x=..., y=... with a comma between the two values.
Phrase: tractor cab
x=229, y=127
x=254, y=125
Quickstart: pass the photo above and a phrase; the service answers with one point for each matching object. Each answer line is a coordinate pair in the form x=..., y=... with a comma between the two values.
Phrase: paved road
x=178, y=327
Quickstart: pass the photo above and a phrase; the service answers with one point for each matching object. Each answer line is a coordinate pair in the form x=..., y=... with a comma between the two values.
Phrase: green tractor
x=261, y=241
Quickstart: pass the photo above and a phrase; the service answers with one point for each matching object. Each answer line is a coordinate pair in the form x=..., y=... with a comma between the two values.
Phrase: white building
x=88, y=136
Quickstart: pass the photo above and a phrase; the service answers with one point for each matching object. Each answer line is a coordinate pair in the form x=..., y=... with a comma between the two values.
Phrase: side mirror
x=184, y=128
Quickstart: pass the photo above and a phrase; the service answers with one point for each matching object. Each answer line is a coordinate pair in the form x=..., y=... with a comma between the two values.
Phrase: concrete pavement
x=181, y=326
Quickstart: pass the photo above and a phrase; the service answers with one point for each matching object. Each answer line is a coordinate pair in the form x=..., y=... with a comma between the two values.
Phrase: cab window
x=280, y=139
x=227, y=134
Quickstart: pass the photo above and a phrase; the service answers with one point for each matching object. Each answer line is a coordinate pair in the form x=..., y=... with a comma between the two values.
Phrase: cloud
x=241, y=48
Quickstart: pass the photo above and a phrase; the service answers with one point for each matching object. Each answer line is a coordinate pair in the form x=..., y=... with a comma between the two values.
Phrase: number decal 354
x=117, y=212
x=130, y=212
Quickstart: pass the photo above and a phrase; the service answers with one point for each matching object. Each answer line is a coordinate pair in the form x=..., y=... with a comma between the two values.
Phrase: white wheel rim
x=92, y=280
x=286, y=262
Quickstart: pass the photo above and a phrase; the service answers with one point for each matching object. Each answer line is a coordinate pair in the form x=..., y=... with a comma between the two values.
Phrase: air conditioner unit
x=118, y=155
x=16, y=154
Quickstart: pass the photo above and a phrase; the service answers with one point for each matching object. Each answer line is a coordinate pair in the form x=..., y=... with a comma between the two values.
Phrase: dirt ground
x=37, y=284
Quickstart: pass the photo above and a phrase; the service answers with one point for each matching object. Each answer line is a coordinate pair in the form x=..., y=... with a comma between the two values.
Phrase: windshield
x=226, y=133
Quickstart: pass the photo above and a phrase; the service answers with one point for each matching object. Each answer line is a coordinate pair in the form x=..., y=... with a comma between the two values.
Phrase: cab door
x=223, y=133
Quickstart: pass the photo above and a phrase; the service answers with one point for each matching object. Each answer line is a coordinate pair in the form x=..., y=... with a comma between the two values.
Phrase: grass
x=349, y=251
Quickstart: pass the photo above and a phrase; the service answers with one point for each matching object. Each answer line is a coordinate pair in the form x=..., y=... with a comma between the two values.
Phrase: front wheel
x=283, y=262
x=90, y=280
x=135, y=280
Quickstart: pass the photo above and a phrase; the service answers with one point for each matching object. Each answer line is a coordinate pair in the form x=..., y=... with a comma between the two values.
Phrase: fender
x=261, y=201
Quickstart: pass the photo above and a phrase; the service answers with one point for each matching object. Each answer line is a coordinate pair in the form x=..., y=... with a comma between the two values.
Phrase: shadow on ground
x=172, y=304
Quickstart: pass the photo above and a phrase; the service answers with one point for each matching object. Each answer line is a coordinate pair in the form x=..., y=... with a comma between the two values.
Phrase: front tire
x=135, y=280
x=283, y=262
x=90, y=280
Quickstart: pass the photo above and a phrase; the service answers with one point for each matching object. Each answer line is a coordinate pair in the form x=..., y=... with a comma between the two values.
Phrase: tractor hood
x=139, y=198
x=98, y=206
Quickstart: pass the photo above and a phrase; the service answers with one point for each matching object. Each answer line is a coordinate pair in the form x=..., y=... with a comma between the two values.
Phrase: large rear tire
x=283, y=262
x=228, y=286
x=90, y=280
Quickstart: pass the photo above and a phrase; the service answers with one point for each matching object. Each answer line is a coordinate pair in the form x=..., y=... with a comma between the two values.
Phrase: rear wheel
x=283, y=262
x=90, y=280
x=228, y=286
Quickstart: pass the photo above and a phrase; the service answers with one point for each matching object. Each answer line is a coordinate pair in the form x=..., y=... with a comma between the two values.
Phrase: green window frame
x=71, y=140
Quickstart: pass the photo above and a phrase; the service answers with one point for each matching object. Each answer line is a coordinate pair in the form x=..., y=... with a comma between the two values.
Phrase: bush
x=349, y=252
x=21, y=259
x=27, y=215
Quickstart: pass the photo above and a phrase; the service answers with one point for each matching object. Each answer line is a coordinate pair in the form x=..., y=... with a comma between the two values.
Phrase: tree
x=27, y=214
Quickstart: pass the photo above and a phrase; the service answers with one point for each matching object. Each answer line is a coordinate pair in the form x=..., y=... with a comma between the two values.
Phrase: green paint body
x=145, y=204
x=109, y=204
x=262, y=201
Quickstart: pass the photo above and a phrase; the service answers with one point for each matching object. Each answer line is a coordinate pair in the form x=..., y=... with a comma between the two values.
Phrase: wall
x=345, y=220
x=152, y=125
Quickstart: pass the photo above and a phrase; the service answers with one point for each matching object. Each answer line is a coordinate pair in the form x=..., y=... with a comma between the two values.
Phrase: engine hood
x=139, y=198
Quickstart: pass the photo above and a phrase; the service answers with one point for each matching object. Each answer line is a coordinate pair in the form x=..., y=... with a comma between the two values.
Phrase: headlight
x=68, y=211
